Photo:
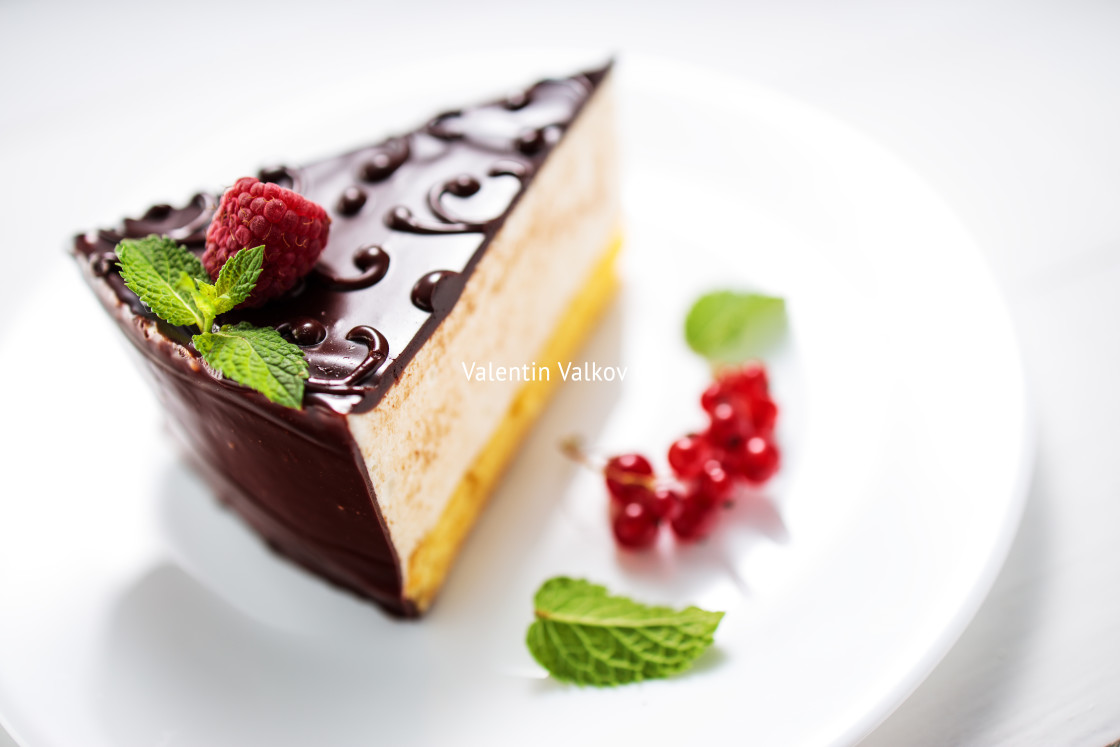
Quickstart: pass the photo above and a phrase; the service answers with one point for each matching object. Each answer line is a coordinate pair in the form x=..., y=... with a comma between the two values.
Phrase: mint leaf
x=585, y=636
x=258, y=358
x=163, y=275
x=731, y=327
x=237, y=278
x=173, y=283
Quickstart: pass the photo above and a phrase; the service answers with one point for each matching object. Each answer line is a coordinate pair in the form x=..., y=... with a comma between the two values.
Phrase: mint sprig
x=259, y=355
x=732, y=327
x=236, y=279
x=164, y=276
x=584, y=635
x=172, y=282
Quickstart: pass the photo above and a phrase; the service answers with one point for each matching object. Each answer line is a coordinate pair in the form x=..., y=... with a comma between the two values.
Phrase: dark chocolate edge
x=165, y=354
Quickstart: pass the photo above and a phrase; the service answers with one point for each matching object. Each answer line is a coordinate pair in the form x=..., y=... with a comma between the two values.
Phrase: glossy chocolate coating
x=411, y=217
x=429, y=200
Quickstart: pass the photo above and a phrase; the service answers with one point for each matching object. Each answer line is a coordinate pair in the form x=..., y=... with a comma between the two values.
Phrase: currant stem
x=573, y=448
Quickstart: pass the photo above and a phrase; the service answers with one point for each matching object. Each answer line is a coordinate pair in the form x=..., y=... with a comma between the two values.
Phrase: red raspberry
x=292, y=228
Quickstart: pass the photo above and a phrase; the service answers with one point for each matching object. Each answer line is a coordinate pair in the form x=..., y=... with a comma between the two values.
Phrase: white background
x=1011, y=110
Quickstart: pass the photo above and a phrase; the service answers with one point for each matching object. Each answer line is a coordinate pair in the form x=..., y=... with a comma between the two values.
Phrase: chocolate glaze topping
x=411, y=217
x=406, y=214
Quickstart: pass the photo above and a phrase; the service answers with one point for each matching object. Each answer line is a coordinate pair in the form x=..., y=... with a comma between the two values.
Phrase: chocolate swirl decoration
x=194, y=231
x=446, y=126
x=186, y=225
x=370, y=259
x=305, y=332
x=517, y=101
x=442, y=126
x=377, y=353
x=400, y=218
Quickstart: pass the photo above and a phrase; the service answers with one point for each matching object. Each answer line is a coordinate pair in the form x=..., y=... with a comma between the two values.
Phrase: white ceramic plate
x=136, y=612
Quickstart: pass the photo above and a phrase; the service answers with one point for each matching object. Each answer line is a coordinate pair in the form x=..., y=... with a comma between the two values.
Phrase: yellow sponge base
x=433, y=557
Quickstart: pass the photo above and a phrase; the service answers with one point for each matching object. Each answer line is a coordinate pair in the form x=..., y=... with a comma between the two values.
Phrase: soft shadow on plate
x=178, y=663
x=753, y=518
x=213, y=545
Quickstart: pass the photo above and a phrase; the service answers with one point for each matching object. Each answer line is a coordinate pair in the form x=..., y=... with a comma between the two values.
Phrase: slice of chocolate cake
x=487, y=235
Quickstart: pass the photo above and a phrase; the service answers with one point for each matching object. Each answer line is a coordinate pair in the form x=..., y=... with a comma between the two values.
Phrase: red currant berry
x=759, y=460
x=695, y=519
x=635, y=526
x=665, y=502
x=764, y=416
x=687, y=455
x=748, y=382
x=627, y=477
x=715, y=482
x=728, y=425
x=662, y=502
x=731, y=458
x=712, y=396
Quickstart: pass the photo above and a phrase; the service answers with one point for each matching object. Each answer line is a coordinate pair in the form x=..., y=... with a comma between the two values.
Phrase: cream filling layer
x=429, y=429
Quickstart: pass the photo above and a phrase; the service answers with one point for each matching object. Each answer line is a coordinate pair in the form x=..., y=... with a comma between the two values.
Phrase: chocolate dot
x=351, y=200
x=280, y=175
x=533, y=141
x=378, y=167
x=423, y=293
x=530, y=142
x=102, y=263
x=399, y=218
x=463, y=185
x=306, y=332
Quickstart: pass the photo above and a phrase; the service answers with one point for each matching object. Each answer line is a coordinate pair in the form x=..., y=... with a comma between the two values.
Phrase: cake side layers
x=432, y=426
x=432, y=560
